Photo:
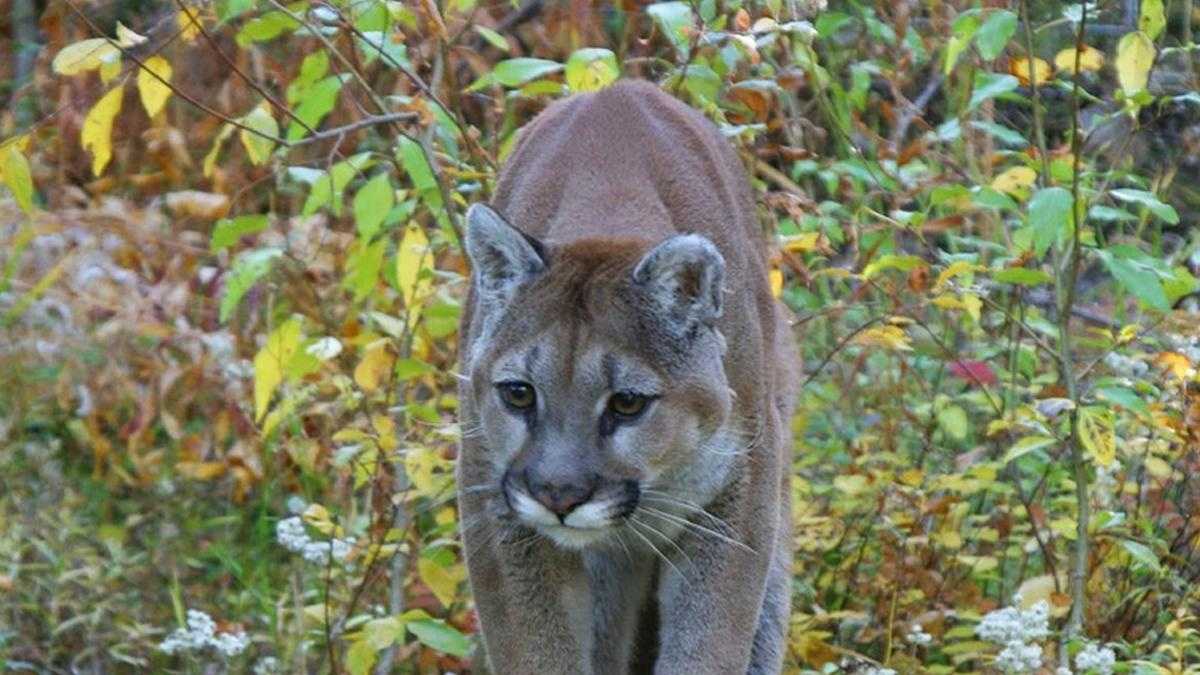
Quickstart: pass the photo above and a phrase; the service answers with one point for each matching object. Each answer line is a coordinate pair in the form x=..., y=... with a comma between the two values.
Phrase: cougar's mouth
x=572, y=518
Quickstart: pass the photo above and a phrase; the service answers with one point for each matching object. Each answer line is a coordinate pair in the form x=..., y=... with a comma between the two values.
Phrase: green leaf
x=591, y=69
x=1149, y=200
x=675, y=21
x=1152, y=19
x=315, y=103
x=1110, y=215
x=904, y=263
x=266, y=27
x=258, y=149
x=371, y=205
x=963, y=30
x=1001, y=133
x=995, y=33
x=518, y=71
x=389, y=46
x=1027, y=445
x=1136, y=274
x=989, y=86
x=407, y=369
x=1049, y=216
x=327, y=186
x=362, y=268
x=1022, y=276
x=953, y=420
x=1141, y=554
x=493, y=38
x=229, y=230
x=438, y=635
x=247, y=270
x=360, y=658
x=1126, y=398
x=312, y=68
x=17, y=176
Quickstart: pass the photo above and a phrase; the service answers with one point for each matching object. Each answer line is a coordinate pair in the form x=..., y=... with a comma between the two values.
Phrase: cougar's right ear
x=501, y=255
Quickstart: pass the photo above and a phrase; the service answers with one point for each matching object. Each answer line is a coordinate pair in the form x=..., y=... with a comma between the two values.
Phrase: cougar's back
x=632, y=162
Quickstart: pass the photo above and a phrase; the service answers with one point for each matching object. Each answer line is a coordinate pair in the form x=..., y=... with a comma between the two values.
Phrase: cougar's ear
x=683, y=275
x=501, y=255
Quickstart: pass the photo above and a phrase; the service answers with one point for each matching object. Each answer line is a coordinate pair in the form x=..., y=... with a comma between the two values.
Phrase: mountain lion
x=625, y=401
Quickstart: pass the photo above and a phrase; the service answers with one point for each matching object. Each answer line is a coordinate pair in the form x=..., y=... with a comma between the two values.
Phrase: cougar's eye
x=627, y=404
x=518, y=395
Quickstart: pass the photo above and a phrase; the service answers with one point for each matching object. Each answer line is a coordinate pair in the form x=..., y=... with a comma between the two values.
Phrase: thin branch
x=175, y=90
x=212, y=43
x=1073, y=263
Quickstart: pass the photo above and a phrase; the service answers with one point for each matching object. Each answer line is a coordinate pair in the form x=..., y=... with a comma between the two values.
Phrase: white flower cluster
x=1063, y=670
x=201, y=633
x=1019, y=657
x=1014, y=629
x=290, y=534
x=1095, y=659
x=917, y=636
x=878, y=671
x=268, y=665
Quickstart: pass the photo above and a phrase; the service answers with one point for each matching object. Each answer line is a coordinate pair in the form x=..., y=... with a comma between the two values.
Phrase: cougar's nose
x=560, y=496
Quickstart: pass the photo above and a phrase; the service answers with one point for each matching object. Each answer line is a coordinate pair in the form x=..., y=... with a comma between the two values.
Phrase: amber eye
x=627, y=404
x=519, y=395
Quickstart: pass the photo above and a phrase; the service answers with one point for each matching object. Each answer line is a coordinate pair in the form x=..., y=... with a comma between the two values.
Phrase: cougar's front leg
x=532, y=601
x=711, y=606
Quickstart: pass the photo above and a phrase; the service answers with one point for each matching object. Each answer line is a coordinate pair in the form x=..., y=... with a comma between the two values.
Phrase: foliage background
x=230, y=279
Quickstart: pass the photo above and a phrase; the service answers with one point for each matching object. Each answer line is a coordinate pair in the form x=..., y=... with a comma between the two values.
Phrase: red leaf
x=975, y=372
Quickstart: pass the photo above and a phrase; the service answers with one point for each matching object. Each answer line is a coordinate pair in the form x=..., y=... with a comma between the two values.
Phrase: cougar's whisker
x=695, y=527
x=669, y=540
x=633, y=523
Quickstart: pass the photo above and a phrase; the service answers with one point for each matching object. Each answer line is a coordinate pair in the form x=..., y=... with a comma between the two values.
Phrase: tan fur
x=600, y=180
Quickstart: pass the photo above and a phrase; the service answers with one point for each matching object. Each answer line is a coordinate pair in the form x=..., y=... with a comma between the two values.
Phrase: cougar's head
x=595, y=376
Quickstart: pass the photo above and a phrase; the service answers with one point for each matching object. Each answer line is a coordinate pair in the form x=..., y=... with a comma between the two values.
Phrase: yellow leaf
x=257, y=147
x=127, y=38
x=375, y=366
x=318, y=516
x=955, y=269
x=1158, y=467
x=189, y=22
x=96, y=135
x=890, y=337
x=1036, y=589
x=1135, y=58
x=153, y=92
x=1090, y=60
x=270, y=362
x=1098, y=435
x=1015, y=181
x=442, y=581
x=210, y=160
x=1174, y=363
x=85, y=55
x=801, y=243
x=852, y=484
x=385, y=427
x=776, y=278
x=201, y=470
x=420, y=464
x=14, y=172
x=109, y=70
x=1040, y=72
x=973, y=305
x=412, y=256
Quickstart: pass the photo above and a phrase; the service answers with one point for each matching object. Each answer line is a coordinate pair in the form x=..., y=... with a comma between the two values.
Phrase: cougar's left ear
x=501, y=255
x=684, y=275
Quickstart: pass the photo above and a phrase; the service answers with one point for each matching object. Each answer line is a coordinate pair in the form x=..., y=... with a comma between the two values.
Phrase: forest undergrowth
x=231, y=276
